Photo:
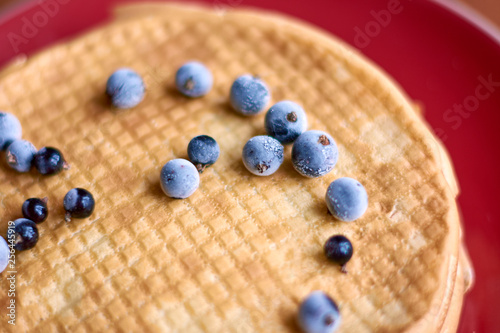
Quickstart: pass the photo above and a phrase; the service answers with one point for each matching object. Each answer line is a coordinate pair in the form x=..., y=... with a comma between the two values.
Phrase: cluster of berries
x=21, y=155
x=22, y=233
x=314, y=154
x=179, y=178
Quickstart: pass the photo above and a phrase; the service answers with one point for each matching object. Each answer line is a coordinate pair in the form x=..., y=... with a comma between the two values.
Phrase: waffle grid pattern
x=239, y=254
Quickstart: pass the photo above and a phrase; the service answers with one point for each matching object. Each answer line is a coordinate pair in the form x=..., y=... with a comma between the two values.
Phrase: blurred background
x=439, y=51
x=488, y=8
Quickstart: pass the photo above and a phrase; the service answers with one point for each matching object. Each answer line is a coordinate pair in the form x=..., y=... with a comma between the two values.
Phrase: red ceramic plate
x=441, y=58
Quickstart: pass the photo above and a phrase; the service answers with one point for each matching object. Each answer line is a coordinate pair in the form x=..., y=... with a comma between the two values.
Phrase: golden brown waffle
x=240, y=254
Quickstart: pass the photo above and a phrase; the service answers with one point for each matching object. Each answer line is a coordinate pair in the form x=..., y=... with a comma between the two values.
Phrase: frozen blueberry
x=318, y=313
x=285, y=121
x=78, y=203
x=25, y=234
x=4, y=254
x=314, y=154
x=49, y=161
x=125, y=88
x=346, y=199
x=10, y=129
x=249, y=95
x=339, y=250
x=35, y=209
x=179, y=178
x=194, y=79
x=20, y=155
x=263, y=155
x=203, y=151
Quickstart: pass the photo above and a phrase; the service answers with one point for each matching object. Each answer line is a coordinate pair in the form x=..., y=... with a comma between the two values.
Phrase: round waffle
x=243, y=251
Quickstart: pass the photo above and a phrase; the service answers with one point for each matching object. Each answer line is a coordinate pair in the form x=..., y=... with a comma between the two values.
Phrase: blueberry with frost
x=346, y=199
x=193, y=79
x=314, y=154
x=249, y=95
x=20, y=155
x=4, y=254
x=285, y=121
x=10, y=129
x=263, y=155
x=179, y=178
x=318, y=313
x=203, y=151
x=125, y=88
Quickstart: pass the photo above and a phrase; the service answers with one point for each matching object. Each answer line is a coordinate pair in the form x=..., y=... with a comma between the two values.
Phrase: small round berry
x=179, y=178
x=203, y=151
x=193, y=79
x=49, y=161
x=263, y=155
x=285, y=121
x=4, y=254
x=10, y=129
x=314, y=154
x=25, y=234
x=339, y=250
x=20, y=155
x=125, y=88
x=35, y=209
x=346, y=199
x=78, y=203
x=249, y=95
x=318, y=313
